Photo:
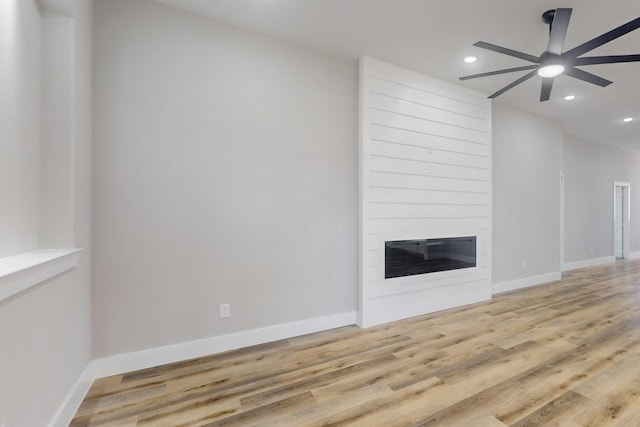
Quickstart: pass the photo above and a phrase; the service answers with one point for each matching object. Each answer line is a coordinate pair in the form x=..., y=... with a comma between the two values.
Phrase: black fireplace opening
x=411, y=257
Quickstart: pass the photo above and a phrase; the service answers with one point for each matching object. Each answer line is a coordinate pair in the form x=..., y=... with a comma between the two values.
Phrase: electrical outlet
x=225, y=311
x=524, y=264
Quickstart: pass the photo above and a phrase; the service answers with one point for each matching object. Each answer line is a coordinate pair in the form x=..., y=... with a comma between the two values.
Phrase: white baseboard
x=588, y=263
x=118, y=364
x=525, y=282
x=634, y=255
x=71, y=403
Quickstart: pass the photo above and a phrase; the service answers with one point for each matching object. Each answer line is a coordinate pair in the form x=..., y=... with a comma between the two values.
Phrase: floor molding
x=71, y=403
x=524, y=282
x=634, y=255
x=118, y=364
x=588, y=263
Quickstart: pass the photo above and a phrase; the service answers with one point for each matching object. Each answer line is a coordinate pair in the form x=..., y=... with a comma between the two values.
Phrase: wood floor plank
x=483, y=421
x=317, y=414
x=194, y=415
x=260, y=416
x=554, y=411
x=261, y=398
x=619, y=408
x=129, y=422
x=564, y=354
x=398, y=408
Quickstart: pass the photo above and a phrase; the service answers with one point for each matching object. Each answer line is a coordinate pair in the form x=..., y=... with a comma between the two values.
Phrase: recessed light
x=569, y=97
x=470, y=59
x=628, y=119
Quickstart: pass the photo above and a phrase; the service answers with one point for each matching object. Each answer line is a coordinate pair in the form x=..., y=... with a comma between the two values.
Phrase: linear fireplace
x=411, y=257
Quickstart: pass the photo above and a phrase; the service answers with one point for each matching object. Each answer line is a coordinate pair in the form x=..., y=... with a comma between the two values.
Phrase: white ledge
x=21, y=272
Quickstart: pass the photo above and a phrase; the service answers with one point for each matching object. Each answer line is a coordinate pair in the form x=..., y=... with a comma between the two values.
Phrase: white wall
x=590, y=171
x=56, y=140
x=634, y=178
x=425, y=172
x=225, y=172
x=20, y=126
x=45, y=331
x=527, y=159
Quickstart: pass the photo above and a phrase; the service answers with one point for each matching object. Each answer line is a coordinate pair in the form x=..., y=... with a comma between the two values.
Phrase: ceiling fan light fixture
x=551, y=70
x=555, y=60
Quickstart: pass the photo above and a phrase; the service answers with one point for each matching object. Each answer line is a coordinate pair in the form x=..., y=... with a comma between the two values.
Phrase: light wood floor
x=563, y=354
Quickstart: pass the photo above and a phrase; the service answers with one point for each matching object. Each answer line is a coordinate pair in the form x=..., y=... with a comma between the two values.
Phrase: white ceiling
x=433, y=36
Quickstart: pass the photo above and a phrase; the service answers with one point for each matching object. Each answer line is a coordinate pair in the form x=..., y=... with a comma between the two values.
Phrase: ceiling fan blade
x=545, y=93
x=514, y=84
x=579, y=74
x=611, y=59
x=604, y=38
x=509, y=52
x=493, y=73
x=558, y=32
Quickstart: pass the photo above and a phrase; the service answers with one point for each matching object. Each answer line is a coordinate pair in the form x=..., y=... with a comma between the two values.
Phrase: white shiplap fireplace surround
x=425, y=172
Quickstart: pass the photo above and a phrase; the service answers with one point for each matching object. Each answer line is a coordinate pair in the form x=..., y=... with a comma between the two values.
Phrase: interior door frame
x=562, y=224
x=626, y=217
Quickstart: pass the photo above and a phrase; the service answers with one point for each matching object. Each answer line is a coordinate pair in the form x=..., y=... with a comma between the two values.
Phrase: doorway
x=621, y=219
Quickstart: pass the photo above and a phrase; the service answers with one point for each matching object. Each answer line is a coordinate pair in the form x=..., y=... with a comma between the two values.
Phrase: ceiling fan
x=554, y=62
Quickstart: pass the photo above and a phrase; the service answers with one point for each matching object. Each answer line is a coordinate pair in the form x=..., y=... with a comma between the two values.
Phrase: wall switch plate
x=524, y=264
x=225, y=311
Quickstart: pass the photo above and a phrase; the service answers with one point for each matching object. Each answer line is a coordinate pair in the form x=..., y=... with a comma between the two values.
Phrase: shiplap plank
x=398, y=195
x=427, y=126
x=409, y=304
x=429, y=229
x=421, y=282
x=407, y=80
x=394, y=180
x=413, y=167
x=420, y=139
x=427, y=211
x=425, y=154
x=418, y=228
x=418, y=110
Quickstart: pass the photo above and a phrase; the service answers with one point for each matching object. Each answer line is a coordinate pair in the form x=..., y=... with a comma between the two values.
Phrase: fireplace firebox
x=411, y=257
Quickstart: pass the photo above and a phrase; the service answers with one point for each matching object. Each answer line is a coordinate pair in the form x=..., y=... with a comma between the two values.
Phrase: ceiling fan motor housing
x=548, y=58
x=548, y=16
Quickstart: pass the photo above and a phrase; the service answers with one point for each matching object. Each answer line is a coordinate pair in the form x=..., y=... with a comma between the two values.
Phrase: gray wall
x=225, y=171
x=590, y=170
x=527, y=159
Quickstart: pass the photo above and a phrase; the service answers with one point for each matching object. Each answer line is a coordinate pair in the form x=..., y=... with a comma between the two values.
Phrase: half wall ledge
x=21, y=272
